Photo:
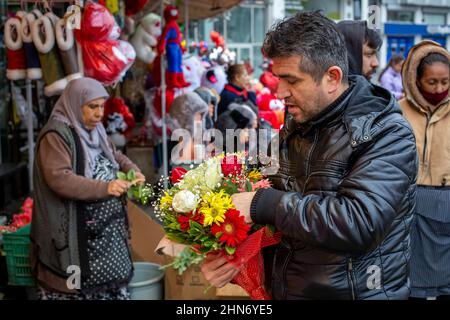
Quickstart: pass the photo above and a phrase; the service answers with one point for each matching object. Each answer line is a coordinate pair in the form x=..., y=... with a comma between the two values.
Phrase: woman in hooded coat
x=426, y=78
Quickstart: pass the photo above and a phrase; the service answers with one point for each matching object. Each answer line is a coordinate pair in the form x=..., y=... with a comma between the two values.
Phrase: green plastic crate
x=17, y=248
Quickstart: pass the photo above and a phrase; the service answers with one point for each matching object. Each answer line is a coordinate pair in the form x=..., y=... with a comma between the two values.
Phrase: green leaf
x=130, y=194
x=185, y=259
x=248, y=186
x=230, y=250
x=131, y=175
x=195, y=225
x=140, y=191
x=208, y=243
x=121, y=176
x=271, y=228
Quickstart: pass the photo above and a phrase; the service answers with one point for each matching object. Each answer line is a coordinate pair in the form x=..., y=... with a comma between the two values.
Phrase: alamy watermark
x=74, y=280
x=374, y=18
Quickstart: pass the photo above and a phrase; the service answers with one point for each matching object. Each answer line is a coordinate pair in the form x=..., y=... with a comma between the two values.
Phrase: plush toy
x=214, y=78
x=118, y=120
x=117, y=105
x=170, y=44
x=193, y=70
x=145, y=37
x=16, y=63
x=134, y=6
x=267, y=78
x=34, y=71
x=220, y=54
x=218, y=40
x=68, y=50
x=43, y=34
x=104, y=58
x=270, y=108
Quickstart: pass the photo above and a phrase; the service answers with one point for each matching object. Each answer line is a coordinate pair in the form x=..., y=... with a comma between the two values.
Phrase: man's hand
x=118, y=187
x=217, y=270
x=242, y=202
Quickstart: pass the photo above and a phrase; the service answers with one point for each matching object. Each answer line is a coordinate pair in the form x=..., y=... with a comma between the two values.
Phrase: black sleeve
x=357, y=218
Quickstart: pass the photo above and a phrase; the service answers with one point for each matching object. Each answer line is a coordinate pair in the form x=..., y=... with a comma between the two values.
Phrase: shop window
x=401, y=16
x=330, y=8
x=239, y=25
x=259, y=24
x=434, y=18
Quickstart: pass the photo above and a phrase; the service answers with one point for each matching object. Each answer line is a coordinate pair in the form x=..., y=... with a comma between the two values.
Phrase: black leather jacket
x=343, y=199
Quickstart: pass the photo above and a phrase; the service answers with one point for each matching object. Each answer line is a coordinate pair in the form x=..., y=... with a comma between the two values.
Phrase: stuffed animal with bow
x=118, y=120
x=105, y=58
x=144, y=40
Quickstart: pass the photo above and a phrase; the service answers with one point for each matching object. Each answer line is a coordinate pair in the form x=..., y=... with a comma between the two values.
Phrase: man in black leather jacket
x=343, y=197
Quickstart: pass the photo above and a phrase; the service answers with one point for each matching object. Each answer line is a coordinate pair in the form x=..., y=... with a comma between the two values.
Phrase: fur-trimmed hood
x=409, y=72
x=184, y=108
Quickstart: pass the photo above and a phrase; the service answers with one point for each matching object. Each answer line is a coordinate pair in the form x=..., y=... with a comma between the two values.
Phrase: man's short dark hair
x=373, y=39
x=312, y=36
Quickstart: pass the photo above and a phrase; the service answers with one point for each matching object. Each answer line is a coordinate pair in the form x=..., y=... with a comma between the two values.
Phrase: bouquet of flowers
x=197, y=211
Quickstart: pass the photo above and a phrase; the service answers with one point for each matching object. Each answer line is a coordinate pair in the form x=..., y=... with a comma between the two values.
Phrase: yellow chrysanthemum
x=166, y=201
x=214, y=206
x=255, y=175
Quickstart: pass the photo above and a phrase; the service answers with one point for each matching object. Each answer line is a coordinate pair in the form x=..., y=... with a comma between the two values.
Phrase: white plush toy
x=193, y=70
x=214, y=78
x=144, y=40
x=115, y=129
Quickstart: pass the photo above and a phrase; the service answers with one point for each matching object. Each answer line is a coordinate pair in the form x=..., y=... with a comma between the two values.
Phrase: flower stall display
x=198, y=211
x=22, y=219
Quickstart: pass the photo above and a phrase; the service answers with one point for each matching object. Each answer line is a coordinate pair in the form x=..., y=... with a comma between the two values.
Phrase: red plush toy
x=268, y=79
x=134, y=6
x=104, y=57
x=218, y=40
x=270, y=108
x=116, y=105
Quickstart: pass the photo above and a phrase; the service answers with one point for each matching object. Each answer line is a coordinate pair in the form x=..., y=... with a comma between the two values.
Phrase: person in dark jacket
x=362, y=45
x=238, y=117
x=237, y=89
x=343, y=197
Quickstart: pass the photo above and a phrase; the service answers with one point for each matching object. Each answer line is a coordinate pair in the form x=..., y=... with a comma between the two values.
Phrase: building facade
x=402, y=23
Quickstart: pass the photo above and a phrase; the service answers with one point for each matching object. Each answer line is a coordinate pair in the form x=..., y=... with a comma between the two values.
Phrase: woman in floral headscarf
x=80, y=228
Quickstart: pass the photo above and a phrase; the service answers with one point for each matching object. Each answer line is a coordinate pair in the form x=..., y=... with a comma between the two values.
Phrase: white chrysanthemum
x=185, y=201
x=213, y=173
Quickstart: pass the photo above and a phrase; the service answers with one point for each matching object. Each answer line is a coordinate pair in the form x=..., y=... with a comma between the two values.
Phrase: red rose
x=184, y=220
x=177, y=174
x=230, y=166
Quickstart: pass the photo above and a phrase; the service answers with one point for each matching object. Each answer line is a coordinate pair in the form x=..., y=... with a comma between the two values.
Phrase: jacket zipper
x=316, y=136
x=350, y=277
x=425, y=142
x=286, y=261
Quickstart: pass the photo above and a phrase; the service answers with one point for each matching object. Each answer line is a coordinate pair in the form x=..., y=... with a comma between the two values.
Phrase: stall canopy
x=197, y=9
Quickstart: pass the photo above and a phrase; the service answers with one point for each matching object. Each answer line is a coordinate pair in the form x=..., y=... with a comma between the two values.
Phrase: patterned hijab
x=68, y=109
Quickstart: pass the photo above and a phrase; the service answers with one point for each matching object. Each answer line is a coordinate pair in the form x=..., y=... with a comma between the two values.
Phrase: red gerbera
x=183, y=220
x=233, y=229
